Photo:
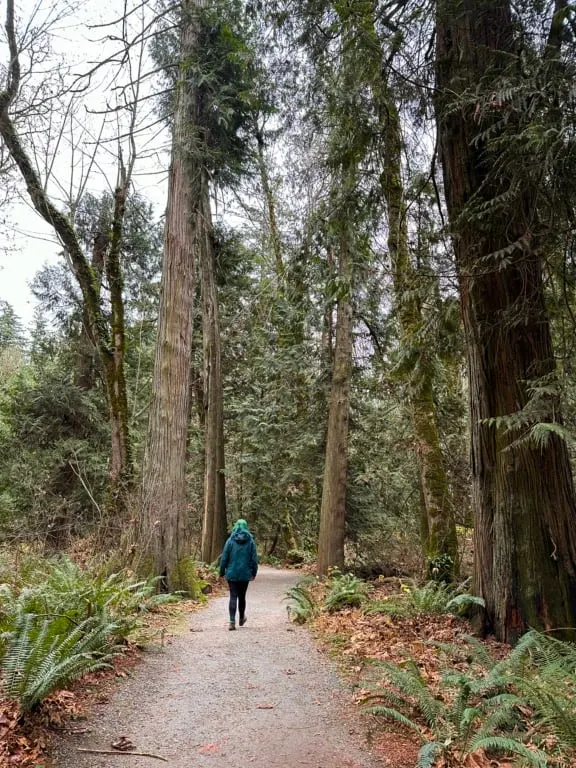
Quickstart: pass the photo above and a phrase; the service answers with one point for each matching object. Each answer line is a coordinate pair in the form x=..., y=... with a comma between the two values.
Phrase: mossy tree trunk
x=523, y=494
x=165, y=534
x=121, y=458
x=214, y=521
x=441, y=547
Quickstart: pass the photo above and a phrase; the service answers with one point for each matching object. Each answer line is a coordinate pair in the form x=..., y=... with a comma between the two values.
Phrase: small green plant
x=40, y=658
x=344, y=591
x=296, y=556
x=394, y=605
x=302, y=606
x=441, y=568
x=432, y=597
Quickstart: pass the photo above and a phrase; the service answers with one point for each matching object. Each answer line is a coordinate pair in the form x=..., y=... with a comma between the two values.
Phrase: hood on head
x=241, y=536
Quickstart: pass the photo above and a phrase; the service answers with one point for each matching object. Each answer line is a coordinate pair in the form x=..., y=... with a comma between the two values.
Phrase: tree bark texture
x=333, y=507
x=121, y=458
x=87, y=364
x=164, y=503
x=110, y=346
x=214, y=521
x=523, y=494
x=441, y=546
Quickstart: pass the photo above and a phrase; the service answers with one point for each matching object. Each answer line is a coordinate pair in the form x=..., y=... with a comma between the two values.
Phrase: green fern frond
x=429, y=753
x=345, y=590
x=508, y=745
x=39, y=659
x=464, y=601
x=409, y=681
x=393, y=714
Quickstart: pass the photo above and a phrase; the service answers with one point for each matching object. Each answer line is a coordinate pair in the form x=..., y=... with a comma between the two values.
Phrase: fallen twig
x=115, y=752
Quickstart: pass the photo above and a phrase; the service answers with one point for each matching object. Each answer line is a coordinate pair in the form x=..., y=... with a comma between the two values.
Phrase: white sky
x=31, y=242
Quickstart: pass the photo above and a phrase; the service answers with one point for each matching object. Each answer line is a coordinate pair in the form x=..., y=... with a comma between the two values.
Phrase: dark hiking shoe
x=231, y=626
x=242, y=620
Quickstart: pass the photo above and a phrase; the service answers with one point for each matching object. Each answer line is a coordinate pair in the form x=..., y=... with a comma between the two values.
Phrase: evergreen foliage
x=302, y=107
x=493, y=705
x=432, y=597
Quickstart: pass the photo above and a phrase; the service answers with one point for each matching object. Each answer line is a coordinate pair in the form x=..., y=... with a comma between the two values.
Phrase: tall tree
x=333, y=507
x=345, y=155
x=523, y=494
x=214, y=521
x=440, y=542
x=375, y=55
x=164, y=501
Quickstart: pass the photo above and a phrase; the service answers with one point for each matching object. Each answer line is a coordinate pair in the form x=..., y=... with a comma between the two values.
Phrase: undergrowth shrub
x=344, y=591
x=58, y=622
x=522, y=706
x=41, y=658
x=302, y=604
x=433, y=597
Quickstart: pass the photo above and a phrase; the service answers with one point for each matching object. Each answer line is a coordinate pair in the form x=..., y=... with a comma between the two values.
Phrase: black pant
x=237, y=594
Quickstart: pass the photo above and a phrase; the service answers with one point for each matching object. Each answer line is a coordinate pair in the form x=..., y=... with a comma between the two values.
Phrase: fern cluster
x=40, y=658
x=518, y=706
x=302, y=605
x=59, y=622
x=432, y=597
x=344, y=590
x=348, y=591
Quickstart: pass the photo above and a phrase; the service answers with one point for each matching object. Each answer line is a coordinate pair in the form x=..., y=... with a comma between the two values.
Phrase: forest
x=313, y=265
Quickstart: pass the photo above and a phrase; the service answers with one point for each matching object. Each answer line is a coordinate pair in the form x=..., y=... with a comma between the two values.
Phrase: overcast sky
x=76, y=42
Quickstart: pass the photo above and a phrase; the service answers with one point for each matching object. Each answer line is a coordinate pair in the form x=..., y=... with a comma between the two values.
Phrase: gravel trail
x=261, y=696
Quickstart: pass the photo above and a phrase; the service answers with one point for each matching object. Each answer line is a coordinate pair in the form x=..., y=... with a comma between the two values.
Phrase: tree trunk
x=120, y=459
x=86, y=367
x=214, y=525
x=523, y=495
x=164, y=508
x=441, y=546
x=333, y=507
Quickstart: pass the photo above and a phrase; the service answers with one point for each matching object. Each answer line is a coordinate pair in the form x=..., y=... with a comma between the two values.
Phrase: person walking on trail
x=239, y=564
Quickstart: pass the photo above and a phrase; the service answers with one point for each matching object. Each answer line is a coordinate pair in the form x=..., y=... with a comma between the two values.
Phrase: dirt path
x=261, y=696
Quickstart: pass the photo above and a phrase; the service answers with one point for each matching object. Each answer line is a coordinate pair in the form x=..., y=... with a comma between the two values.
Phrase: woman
x=239, y=564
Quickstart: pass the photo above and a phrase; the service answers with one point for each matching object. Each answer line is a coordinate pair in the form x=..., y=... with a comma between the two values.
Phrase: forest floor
x=261, y=696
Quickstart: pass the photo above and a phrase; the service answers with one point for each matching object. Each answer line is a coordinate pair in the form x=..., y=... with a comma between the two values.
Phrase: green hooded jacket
x=239, y=561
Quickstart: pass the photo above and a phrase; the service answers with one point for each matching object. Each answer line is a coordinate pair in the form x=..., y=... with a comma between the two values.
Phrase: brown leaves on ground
x=383, y=638
x=23, y=738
